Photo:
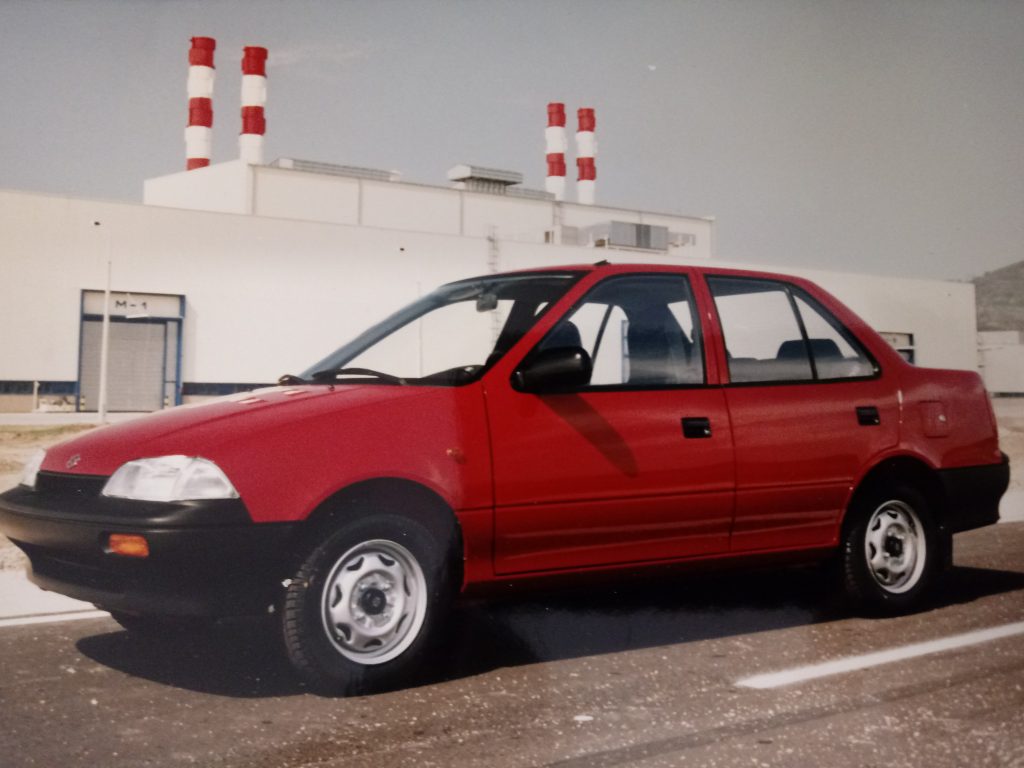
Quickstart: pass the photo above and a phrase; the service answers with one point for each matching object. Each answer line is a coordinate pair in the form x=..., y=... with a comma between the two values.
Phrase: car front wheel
x=363, y=610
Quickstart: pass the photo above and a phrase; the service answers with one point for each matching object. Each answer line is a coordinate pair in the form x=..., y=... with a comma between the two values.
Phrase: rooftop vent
x=478, y=179
x=331, y=169
x=529, y=194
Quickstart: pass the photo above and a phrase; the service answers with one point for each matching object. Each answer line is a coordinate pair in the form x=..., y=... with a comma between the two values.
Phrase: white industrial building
x=1001, y=360
x=233, y=274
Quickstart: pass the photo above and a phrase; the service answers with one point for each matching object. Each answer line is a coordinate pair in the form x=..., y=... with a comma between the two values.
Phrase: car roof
x=607, y=266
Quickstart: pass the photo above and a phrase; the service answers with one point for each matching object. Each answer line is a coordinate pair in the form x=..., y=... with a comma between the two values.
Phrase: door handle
x=696, y=427
x=867, y=416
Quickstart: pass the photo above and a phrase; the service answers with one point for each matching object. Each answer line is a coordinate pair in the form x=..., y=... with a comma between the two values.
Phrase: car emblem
x=73, y=461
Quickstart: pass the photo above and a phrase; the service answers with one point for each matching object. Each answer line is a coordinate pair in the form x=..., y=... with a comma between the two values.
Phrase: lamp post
x=105, y=334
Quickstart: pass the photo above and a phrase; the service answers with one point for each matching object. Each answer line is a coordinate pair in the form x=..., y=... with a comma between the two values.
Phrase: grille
x=64, y=489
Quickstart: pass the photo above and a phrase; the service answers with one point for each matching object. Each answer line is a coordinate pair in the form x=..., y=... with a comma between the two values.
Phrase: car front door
x=635, y=466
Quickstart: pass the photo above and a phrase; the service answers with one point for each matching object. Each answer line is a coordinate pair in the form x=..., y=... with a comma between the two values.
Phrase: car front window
x=640, y=331
x=449, y=337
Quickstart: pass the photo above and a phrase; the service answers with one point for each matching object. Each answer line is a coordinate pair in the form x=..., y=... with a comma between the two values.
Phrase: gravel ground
x=17, y=443
x=1010, y=414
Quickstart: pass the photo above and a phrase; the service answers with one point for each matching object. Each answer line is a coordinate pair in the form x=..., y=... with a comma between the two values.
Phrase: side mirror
x=557, y=369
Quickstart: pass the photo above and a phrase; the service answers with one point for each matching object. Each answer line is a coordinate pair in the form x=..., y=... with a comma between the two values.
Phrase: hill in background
x=1000, y=298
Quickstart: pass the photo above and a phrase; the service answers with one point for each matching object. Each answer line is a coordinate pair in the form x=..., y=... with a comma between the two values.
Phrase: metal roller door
x=136, y=365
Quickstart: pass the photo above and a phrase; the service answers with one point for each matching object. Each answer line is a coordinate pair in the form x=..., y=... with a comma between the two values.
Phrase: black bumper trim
x=192, y=570
x=972, y=494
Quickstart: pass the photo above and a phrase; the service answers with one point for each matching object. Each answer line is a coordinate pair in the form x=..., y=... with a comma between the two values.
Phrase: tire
x=892, y=550
x=363, y=611
x=161, y=627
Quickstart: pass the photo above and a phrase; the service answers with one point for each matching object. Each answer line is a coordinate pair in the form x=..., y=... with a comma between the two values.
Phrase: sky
x=881, y=136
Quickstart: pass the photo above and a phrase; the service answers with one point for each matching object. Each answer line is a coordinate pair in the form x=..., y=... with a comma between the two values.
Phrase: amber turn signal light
x=128, y=544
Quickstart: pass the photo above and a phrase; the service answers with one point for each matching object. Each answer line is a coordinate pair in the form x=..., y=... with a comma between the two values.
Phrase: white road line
x=52, y=618
x=863, y=661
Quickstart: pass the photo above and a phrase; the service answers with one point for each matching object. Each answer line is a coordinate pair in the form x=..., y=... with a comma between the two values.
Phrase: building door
x=143, y=368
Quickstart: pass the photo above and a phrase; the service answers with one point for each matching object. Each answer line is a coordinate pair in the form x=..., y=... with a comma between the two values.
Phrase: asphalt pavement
x=656, y=673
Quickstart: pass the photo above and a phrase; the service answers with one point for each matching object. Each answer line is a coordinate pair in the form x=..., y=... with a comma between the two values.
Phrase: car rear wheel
x=891, y=550
x=363, y=610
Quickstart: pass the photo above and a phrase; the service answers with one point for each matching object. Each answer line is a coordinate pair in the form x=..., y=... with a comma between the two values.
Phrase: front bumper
x=972, y=494
x=207, y=558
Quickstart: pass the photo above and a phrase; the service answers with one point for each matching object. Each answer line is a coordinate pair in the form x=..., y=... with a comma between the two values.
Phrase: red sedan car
x=579, y=420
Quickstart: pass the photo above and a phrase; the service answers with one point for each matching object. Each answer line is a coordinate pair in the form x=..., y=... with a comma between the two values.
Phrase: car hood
x=211, y=428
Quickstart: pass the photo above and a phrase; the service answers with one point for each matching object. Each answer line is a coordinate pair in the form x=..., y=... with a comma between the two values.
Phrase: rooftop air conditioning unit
x=647, y=237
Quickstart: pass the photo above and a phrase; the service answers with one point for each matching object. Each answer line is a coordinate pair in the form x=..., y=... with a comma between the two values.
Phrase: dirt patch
x=39, y=436
x=17, y=444
x=1011, y=442
x=1010, y=415
x=11, y=558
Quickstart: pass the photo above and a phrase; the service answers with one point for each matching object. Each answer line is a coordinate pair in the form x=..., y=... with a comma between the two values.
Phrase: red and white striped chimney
x=199, y=133
x=554, y=136
x=254, y=97
x=586, y=151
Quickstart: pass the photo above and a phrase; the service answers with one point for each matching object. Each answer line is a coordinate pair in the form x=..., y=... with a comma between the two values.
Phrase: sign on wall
x=131, y=305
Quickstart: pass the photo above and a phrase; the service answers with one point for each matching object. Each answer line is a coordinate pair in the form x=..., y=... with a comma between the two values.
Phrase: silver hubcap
x=895, y=547
x=374, y=602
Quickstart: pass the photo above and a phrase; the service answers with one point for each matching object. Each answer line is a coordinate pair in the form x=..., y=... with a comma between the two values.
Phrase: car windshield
x=448, y=337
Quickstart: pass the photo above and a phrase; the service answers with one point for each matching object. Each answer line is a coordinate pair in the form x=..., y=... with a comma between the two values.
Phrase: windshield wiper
x=290, y=379
x=332, y=374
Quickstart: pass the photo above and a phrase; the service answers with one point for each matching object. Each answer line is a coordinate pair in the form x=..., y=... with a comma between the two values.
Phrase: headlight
x=28, y=474
x=170, y=478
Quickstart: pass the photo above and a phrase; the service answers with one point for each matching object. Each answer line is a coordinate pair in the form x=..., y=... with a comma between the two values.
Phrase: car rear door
x=809, y=408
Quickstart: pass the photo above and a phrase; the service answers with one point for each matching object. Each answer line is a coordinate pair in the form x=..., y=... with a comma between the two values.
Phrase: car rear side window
x=775, y=333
